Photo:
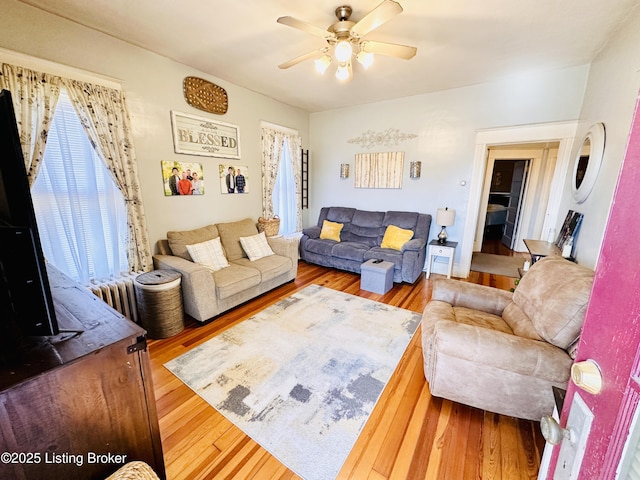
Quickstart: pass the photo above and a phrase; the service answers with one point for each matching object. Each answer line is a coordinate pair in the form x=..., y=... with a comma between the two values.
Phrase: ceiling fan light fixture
x=322, y=63
x=343, y=73
x=343, y=51
x=365, y=59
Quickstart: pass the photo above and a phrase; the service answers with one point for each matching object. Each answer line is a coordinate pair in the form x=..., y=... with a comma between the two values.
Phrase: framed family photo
x=182, y=178
x=233, y=178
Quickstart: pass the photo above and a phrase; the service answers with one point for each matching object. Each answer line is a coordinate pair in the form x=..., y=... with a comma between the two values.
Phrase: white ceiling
x=460, y=42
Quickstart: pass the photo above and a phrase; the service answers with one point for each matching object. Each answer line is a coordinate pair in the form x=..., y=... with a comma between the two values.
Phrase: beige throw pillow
x=256, y=246
x=209, y=254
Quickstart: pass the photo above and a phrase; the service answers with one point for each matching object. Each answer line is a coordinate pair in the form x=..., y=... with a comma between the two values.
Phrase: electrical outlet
x=572, y=448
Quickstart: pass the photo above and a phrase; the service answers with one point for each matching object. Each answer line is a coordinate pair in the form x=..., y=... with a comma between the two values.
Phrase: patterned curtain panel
x=272, y=143
x=379, y=170
x=34, y=96
x=105, y=118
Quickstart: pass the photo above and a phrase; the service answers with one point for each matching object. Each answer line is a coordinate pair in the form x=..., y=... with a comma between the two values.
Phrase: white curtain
x=286, y=201
x=281, y=153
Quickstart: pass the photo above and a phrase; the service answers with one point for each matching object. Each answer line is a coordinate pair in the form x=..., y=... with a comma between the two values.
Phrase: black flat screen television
x=25, y=295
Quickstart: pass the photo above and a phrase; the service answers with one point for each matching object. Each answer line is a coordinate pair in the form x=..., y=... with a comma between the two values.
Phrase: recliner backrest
x=554, y=294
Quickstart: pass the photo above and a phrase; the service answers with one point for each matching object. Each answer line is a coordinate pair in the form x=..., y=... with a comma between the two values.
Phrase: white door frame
x=563, y=132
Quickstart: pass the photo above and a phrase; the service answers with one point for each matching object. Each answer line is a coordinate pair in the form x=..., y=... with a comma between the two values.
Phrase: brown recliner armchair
x=502, y=351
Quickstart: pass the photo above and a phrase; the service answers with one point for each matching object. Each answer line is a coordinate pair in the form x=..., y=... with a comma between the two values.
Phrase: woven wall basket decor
x=205, y=95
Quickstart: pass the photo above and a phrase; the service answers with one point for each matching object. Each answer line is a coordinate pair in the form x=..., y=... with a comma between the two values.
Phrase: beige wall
x=153, y=85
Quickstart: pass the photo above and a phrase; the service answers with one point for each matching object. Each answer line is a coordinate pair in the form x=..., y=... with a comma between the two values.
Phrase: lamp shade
x=445, y=217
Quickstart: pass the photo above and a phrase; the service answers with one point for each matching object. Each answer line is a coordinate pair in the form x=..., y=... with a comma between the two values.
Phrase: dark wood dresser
x=78, y=405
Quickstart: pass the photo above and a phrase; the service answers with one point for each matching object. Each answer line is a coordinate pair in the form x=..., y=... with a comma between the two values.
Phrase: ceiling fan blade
x=305, y=27
x=307, y=56
x=376, y=17
x=401, y=51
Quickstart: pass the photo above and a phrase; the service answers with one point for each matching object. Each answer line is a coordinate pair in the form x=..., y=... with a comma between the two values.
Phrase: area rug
x=496, y=264
x=302, y=377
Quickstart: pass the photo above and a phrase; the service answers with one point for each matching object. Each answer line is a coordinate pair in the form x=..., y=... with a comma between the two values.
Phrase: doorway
x=561, y=133
x=516, y=192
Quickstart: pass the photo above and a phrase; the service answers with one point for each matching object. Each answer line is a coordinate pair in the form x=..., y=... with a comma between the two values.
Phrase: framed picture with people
x=233, y=178
x=182, y=178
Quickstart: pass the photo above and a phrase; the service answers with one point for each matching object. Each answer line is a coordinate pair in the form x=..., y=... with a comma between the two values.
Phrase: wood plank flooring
x=410, y=434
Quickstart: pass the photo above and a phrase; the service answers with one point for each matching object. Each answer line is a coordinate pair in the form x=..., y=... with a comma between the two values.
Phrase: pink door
x=611, y=333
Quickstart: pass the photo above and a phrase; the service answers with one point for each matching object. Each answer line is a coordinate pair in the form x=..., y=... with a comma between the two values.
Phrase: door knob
x=552, y=431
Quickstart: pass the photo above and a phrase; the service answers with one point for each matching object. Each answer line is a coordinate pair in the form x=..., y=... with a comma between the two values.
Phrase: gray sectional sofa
x=361, y=239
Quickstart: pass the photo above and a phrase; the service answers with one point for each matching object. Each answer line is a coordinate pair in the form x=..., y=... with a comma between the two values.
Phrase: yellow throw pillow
x=396, y=237
x=331, y=230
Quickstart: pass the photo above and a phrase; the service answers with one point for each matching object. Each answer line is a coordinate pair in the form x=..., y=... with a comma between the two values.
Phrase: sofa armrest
x=471, y=295
x=198, y=286
x=312, y=232
x=504, y=351
x=415, y=245
x=286, y=247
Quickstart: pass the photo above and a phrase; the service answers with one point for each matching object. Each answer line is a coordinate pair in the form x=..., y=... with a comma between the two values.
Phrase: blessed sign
x=194, y=135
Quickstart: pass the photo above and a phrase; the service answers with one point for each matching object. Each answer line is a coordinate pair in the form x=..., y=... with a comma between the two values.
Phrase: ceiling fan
x=345, y=39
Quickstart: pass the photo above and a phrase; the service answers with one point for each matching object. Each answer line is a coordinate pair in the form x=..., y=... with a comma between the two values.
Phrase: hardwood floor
x=410, y=434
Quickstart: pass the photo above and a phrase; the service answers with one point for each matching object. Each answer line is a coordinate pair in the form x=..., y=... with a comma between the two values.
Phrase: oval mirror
x=587, y=163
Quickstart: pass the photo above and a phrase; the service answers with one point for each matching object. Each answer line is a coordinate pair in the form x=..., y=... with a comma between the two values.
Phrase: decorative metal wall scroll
x=388, y=138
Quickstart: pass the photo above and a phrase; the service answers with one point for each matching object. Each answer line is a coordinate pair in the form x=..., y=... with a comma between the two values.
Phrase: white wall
x=446, y=124
x=153, y=85
x=610, y=98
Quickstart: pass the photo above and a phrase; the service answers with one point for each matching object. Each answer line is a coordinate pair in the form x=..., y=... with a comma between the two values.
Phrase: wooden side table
x=540, y=249
x=437, y=250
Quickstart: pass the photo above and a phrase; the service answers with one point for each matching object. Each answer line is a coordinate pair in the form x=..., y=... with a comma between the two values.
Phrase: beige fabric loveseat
x=503, y=352
x=207, y=293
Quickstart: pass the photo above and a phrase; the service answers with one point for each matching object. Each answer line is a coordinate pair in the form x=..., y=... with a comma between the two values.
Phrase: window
x=285, y=199
x=80, y=211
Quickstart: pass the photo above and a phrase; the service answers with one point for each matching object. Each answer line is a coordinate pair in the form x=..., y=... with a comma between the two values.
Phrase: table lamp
x=444, y=218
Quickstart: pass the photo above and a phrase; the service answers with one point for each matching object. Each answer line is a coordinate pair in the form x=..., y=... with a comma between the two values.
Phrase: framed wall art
x=379, y=170
x=193, y=135
x=233, y=178
x=182, y=178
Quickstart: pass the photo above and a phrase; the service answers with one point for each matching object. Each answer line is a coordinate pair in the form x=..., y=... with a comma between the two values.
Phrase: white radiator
x=119, y=294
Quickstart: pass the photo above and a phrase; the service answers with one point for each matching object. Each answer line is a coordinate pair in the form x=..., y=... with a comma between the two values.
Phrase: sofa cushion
x=256, y=246
x=269, y=267
x=395, y=237
x=477, y=318
x=340, y=214
x=366, y=228
x=554, y=294
x=209, y=254
x=331, y=230
x=320, y=247
x=386, y=254
x=401, y=219
x=235, y=279
x=178, y=240
x=230, y=234
x=349, y=251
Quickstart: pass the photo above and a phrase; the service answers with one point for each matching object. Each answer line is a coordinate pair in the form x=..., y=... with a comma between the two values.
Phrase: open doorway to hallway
x=515, y=195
